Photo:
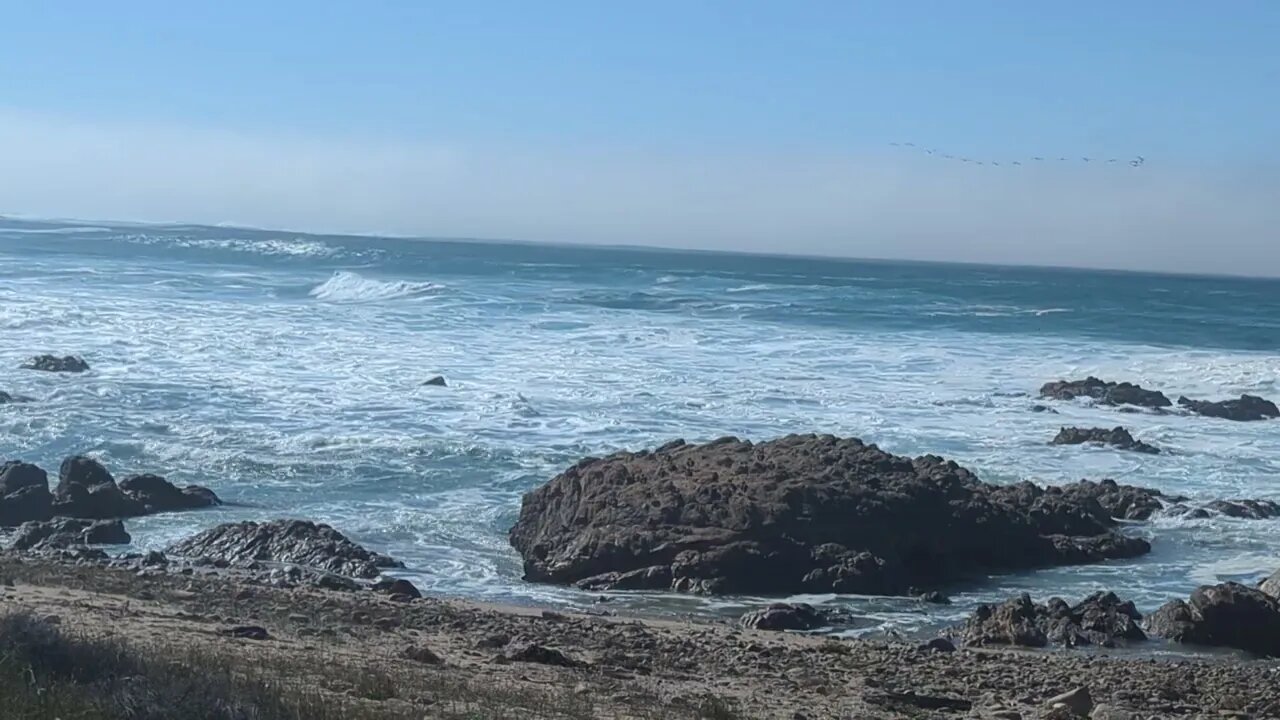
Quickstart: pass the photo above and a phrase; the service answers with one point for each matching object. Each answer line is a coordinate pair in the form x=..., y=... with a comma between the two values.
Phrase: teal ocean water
x=284, y=371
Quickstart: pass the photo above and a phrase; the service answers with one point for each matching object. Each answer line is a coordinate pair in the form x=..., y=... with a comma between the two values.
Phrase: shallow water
x=284, y=371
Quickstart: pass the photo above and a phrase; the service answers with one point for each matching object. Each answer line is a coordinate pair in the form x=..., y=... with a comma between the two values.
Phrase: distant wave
x=298, y=247
x=353, y=288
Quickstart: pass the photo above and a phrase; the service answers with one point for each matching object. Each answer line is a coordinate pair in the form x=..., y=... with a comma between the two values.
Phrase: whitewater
x=285, y=372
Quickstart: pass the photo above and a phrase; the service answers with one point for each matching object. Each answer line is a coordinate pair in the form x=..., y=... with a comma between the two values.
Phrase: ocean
x=285, y=371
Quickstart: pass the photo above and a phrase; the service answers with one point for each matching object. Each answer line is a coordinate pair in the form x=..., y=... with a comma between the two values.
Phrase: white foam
x=354, y=288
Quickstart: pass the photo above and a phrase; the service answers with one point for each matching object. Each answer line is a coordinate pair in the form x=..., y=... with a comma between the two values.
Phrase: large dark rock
x=53, y=363
x=1100, y=619
x=86, y=490
x=805, y=513
x=785, y=616
x=24, y=494
x=1248, y=407
x=1126, y=502
x=159, y=495
x=1106, y=393
x=1116, y=437
x=1226, y=615
x=67, y=532
x=298, y=542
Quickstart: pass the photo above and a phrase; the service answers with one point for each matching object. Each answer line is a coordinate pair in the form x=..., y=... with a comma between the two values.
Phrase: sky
x=756, y=126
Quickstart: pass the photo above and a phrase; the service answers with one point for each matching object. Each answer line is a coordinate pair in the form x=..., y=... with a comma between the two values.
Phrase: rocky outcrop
x=1116, y=437
x=784, y=616
x=87, y=490
x=1125, y=502
x=68, y=532
x=285, y=541
x=24, y=494
x=53, y=363
x=1226, y=615
x=1100, y=619
x=157, y=495
x=1247, y=408
x=805, y=513
x=1271, y=585
x=1106, y=393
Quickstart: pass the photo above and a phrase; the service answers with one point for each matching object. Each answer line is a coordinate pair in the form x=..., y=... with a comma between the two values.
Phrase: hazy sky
x=735, y=125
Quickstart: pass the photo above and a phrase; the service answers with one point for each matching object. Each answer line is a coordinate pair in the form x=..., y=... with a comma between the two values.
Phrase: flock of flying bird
x=1134, y=162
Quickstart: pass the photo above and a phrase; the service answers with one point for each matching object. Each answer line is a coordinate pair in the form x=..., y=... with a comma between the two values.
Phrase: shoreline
x=624, y=666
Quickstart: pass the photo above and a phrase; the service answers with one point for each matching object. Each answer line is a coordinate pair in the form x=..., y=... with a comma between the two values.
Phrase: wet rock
x=1247, y=408
x=1245, y=509
x=1043, y=409
x=396, y=586
x=784, y=616
x=1106, y=393
x=1126, y=502
x=534, y=653
x=297, y=542
x=1116, y=437
x=1100, y=619
x=437, y=381
x=7, y=399
x=1078, y=701
x=935, y=598
x=1271, y=585
x=86, y=490
x=1225, y=615
x=24, y=494
x=66, y=532
x=156, y=494
x=805, y=513
x=53, y=363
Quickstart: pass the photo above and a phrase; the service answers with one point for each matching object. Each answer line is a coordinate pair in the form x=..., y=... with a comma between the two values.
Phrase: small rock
x=534, y=653
x=1079, y=701
x=437, y=381
x=396, y=586
x=422, y=654
x=935, y=598
x=939, y=645
x=493, y=641
x=53, y=363
x=248, y=632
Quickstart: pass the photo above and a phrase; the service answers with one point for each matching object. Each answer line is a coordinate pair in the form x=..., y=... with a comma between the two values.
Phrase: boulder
x=784, y=616
x=299, y=542
x=1116, y=437
x=67, y=532
x=1225, y=615
x=1106, y=393
x=24, y=494
x=1126, y=502
x=86, y=490
x=156, y=494
x=396, y=586
x=1271, y=585
x=804, y=513
x=53, y=363
x=1100, y=619
x=1247, y=408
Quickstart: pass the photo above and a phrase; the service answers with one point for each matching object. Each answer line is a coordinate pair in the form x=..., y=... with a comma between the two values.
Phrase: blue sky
x=724, y=124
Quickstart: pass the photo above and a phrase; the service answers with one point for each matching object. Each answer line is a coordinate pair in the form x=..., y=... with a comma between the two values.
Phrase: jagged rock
x=156, y=494
x=24, y=494
x=784, y=616
x=67, y=532
x=1126, y=502
x=1106, y=393
x=1225, y=615
x=1271, y=585
x=437, y=381
x=53, y=363
x=805, y=513
x=285, y=541
x=1100, y=619
x=1247, y=408
x=1116, y=437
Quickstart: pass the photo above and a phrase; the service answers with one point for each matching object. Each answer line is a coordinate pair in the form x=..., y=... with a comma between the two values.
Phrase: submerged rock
x=1106, y=393
x=1225, y=615
x=299, y=542
x=437, y=381
x=1100, y=619
x=6, y=398
x=805, y=513
x=784, y=616
x=66, y=532
x=1116, y=437
x=1247, y=408
x=53, y=363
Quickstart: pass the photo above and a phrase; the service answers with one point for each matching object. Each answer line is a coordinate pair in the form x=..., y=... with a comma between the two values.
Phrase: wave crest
x=352, y=287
